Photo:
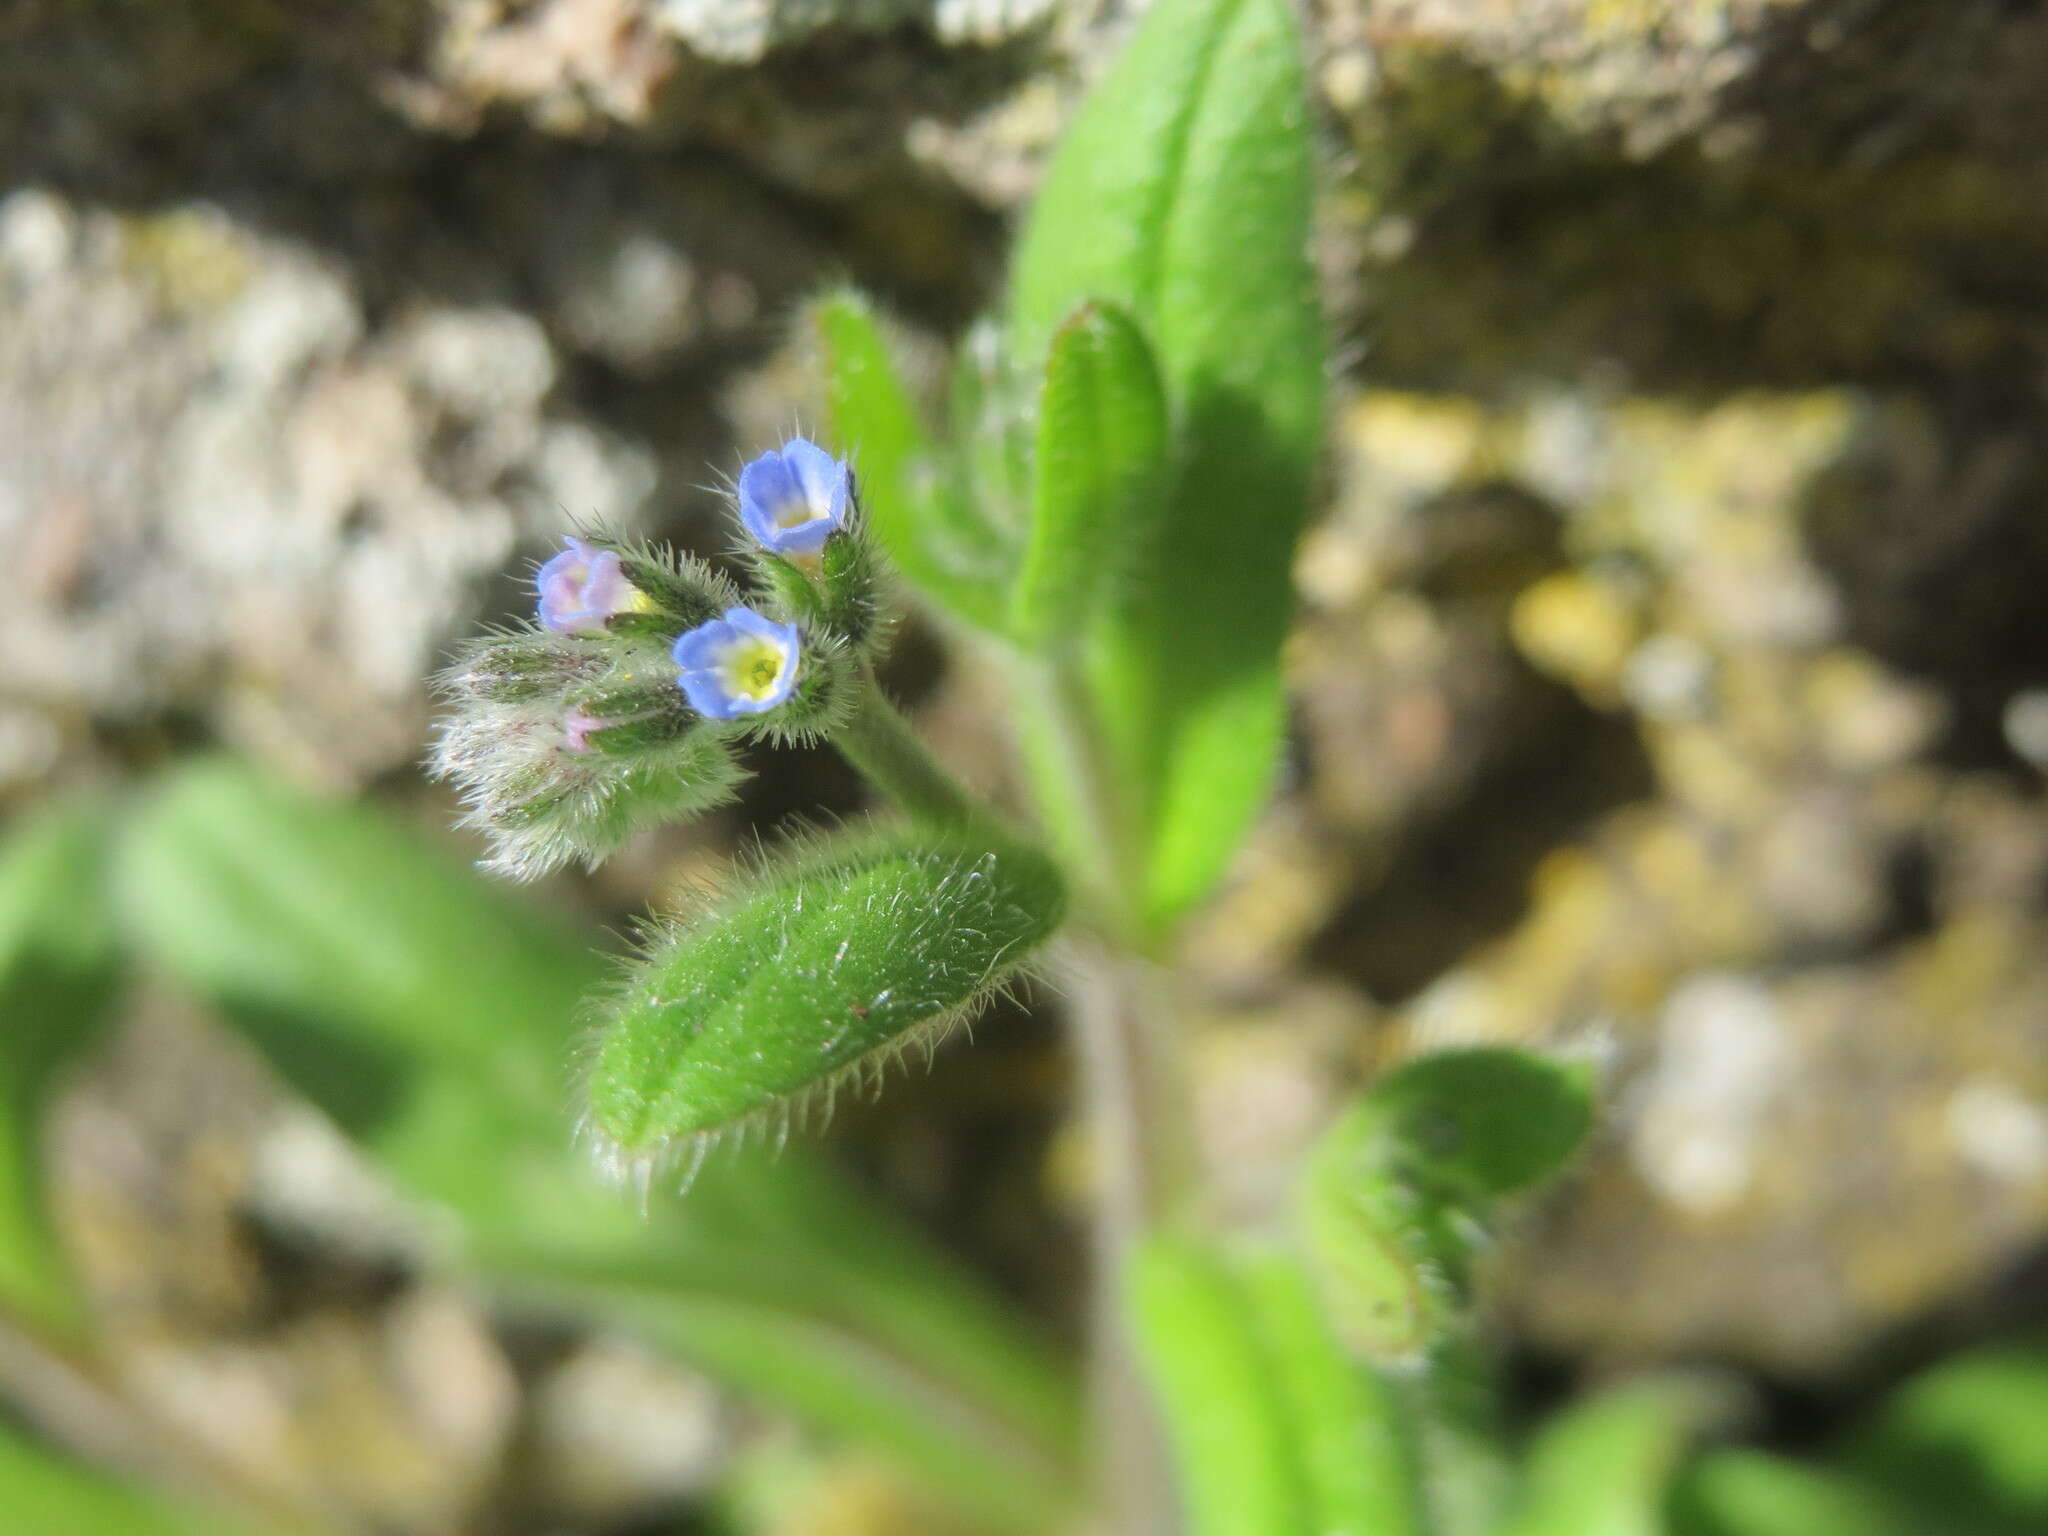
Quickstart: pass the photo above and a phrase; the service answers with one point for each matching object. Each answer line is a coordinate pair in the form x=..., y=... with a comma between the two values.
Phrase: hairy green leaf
x=1275, y=1431
x=913, y=503
x=58, y=969
x=1398, y=1197
x=1182, y=193
x=829, y=965
x=1102, y=437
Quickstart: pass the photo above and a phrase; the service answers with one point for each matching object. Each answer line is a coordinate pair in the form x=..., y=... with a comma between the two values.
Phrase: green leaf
x=44, y=1495
x=1601, y=1468
x=1965, y=1444
x=1182, y=193
x=1397, y=1200
x=1102, y=436
x=435, y=1018
x=1274, y=1431
x=58, y=971
x=831, y=964
x=953, y=555
x=1748, y=1493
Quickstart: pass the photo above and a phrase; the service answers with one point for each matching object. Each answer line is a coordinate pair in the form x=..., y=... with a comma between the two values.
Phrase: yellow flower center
x=794, y=513
x=751, y=668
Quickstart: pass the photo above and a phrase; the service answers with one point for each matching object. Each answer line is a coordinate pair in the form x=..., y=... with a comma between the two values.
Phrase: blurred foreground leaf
x=1182, y=193
x=1748, y=1493
x=1275, y=1431
x=57, y=976
x=434, y=1018
x=1964, y=1446
x=1601, y=1468
x=43, y=1495
x=947, y=548
x=1398, y=1198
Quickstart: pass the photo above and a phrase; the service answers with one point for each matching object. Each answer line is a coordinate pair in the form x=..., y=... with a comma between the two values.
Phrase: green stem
x=880, y=743
x=1134, y=1099
x=1107, y=853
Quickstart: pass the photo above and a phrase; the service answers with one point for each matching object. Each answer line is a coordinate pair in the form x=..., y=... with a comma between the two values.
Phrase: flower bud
x=583, y=587
x=792, y=501
x=514, y=668
x=553, y=783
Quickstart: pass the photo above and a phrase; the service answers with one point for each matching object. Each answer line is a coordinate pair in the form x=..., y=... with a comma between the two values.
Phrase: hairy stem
x=879, y=742
x=1133, y=1097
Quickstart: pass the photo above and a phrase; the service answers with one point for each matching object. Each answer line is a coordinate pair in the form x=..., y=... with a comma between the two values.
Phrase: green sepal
x=515, y=669
x=636, y=738
x=1097, y=514
x=686, y=590
x=853, y=603
x=838, y=593
x=786, y=588
x=644, y=626
x=822, y=968
x=1397, y=1201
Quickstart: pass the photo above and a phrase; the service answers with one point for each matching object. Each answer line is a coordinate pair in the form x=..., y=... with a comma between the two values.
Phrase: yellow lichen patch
x=194, y=257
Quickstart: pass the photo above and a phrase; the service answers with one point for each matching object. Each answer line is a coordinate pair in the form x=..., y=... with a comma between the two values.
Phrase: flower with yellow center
x=741, y=664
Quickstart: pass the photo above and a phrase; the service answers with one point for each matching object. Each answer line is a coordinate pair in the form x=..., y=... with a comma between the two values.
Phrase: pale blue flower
x=742, y=664
x=794, y=500
x=584, y=586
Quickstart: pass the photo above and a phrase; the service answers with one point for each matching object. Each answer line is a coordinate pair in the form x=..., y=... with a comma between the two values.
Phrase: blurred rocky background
x=1672, y=665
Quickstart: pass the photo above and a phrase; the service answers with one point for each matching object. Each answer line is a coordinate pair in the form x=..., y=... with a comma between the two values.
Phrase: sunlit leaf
x=1182, y=193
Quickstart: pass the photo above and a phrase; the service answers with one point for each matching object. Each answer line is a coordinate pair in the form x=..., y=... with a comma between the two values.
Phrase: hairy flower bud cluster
x=621, y=704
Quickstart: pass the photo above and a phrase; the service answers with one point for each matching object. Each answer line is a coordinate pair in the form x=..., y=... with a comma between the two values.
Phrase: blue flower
x=794, y=500
x=582, y=587
x=741, y=664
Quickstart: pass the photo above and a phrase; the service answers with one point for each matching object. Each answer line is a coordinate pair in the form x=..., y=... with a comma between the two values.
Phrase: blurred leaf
x=990, y=408
x=1275, y=1432
x=954, y=556
x=1102, y=437
x=43, y=1495
x=58, y=968
x=1748, y=1493
x=1964, y=1446
x=1182, y=192
x=779, y=1277
x=1601, y=1468
x=1397, y=1199
x=1454, y=1402
x=1483, y=1119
